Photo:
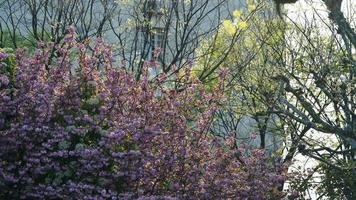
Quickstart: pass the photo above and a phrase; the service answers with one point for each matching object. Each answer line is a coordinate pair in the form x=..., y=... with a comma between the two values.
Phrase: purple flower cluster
x=3, y=55
x=80, y=128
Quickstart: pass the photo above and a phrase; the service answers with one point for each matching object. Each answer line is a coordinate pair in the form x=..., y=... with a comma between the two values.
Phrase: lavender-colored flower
x=3, y=55
x=103, y=135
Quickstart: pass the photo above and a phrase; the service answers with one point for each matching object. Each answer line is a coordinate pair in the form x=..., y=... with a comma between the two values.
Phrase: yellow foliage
x=251, y=7
x=229, y=27
x=237, y=13
x=243, y=24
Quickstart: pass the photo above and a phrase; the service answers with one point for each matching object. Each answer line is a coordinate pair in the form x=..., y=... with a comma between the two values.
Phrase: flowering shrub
x=80, y=128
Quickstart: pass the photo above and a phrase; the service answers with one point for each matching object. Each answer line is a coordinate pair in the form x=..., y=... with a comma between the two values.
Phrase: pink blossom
x=102, y=134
